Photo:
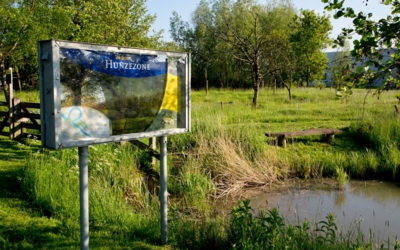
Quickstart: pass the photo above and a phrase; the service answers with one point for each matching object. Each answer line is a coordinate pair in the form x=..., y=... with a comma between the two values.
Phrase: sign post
x=163, y=189
x=84, y=196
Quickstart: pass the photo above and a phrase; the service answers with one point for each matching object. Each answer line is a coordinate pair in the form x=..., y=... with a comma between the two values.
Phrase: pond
x=361, y=205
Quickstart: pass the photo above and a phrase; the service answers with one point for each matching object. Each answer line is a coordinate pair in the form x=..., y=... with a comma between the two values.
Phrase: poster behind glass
x=111, y=93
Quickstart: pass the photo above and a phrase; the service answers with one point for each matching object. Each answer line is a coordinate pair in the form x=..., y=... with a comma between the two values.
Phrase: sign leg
x=84, y=196
x=163, y=188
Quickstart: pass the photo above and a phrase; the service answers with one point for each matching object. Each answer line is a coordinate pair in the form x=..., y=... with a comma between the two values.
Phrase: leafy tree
x=211, y=60
x=122, y=22
x=240, y=26
x=309, y=39
x=23, y=23
x=280, y=57
x=377, y=39
x=284, y=63
x=246, y=29
x=339, y=67
x=15, y=20
x=181, y=32
x=196, y=40
x=202, y=19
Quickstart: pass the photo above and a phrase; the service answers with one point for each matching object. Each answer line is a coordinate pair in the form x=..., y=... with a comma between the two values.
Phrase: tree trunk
x=256, y=81
x=255, y=97
x=205, y=75
x=289, y=89
x=18, y=80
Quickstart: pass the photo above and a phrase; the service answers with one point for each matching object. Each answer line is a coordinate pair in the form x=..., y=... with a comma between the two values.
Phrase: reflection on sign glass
x=110, y=93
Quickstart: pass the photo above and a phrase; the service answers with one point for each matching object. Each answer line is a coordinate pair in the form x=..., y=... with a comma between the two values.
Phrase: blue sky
x=163, y=9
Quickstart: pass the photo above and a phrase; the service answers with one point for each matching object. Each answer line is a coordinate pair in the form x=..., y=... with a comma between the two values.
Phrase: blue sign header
x=117, y=64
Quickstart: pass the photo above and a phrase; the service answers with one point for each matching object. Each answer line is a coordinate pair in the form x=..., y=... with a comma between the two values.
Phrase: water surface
x=365, y=205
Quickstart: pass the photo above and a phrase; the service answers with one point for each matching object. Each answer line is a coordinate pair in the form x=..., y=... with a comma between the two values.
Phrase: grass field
x=225, y=152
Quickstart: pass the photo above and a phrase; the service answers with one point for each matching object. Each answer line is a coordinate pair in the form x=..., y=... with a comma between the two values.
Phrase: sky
x=163, y=9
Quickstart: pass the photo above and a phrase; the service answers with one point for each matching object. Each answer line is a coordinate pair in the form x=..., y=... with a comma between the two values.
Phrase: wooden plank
x=31, y=126
x=146, y=147
x=276, y=134
x=24, y=104
x=29, y=115
x=15, y=123
x=153, y=146
x=282, y=136
x=305, y=132
x=315, y=132
x=30, y=105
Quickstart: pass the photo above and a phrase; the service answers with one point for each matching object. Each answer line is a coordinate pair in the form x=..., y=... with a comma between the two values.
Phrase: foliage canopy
x=378, y=45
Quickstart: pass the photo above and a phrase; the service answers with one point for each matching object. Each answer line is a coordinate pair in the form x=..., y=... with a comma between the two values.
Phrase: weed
x=341, y=177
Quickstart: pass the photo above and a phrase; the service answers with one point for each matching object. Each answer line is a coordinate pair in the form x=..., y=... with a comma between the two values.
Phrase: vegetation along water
x=225, y=154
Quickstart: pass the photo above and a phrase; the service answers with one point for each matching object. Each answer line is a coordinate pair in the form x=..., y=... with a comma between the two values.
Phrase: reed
x=341, y=178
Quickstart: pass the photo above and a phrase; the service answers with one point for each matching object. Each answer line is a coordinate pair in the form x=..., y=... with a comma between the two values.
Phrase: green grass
x=38, y=223
x=225, y=152
x=21, y=227
x=357, y=153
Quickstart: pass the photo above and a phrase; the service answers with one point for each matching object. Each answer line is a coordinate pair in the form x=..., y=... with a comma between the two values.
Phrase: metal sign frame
x=51, y=91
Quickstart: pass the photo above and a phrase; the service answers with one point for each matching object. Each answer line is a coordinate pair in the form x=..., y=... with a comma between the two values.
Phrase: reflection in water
x=340, y=199
x=371, y=205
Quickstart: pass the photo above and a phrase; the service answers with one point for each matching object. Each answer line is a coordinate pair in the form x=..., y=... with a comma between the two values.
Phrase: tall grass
x=233, y=158
x=225, y=152
x=52, y=182
x=381, y=137
x=227, y=141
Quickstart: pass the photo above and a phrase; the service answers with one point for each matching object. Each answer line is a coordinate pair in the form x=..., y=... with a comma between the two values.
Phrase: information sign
x=94, y=94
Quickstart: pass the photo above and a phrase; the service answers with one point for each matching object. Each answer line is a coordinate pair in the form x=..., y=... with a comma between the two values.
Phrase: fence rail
x=19, y=117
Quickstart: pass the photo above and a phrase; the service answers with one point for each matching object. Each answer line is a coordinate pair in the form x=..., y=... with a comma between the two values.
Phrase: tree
x=309, y=39
x=239, y=26
x=243, y=26
x=23, y=23
x=339, y=67
x=122, y=22
x=206, y=45
x=377, y=38
x=233, y=42
x=15, y=19
x=210, y=56
x=284, y=63
x=196, y=40
x=180, y=31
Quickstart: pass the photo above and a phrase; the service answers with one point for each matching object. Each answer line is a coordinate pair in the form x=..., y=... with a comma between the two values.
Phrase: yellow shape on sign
x=171, y=95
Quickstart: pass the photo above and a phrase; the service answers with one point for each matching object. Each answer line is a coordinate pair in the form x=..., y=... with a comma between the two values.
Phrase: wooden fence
x=19, y=117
